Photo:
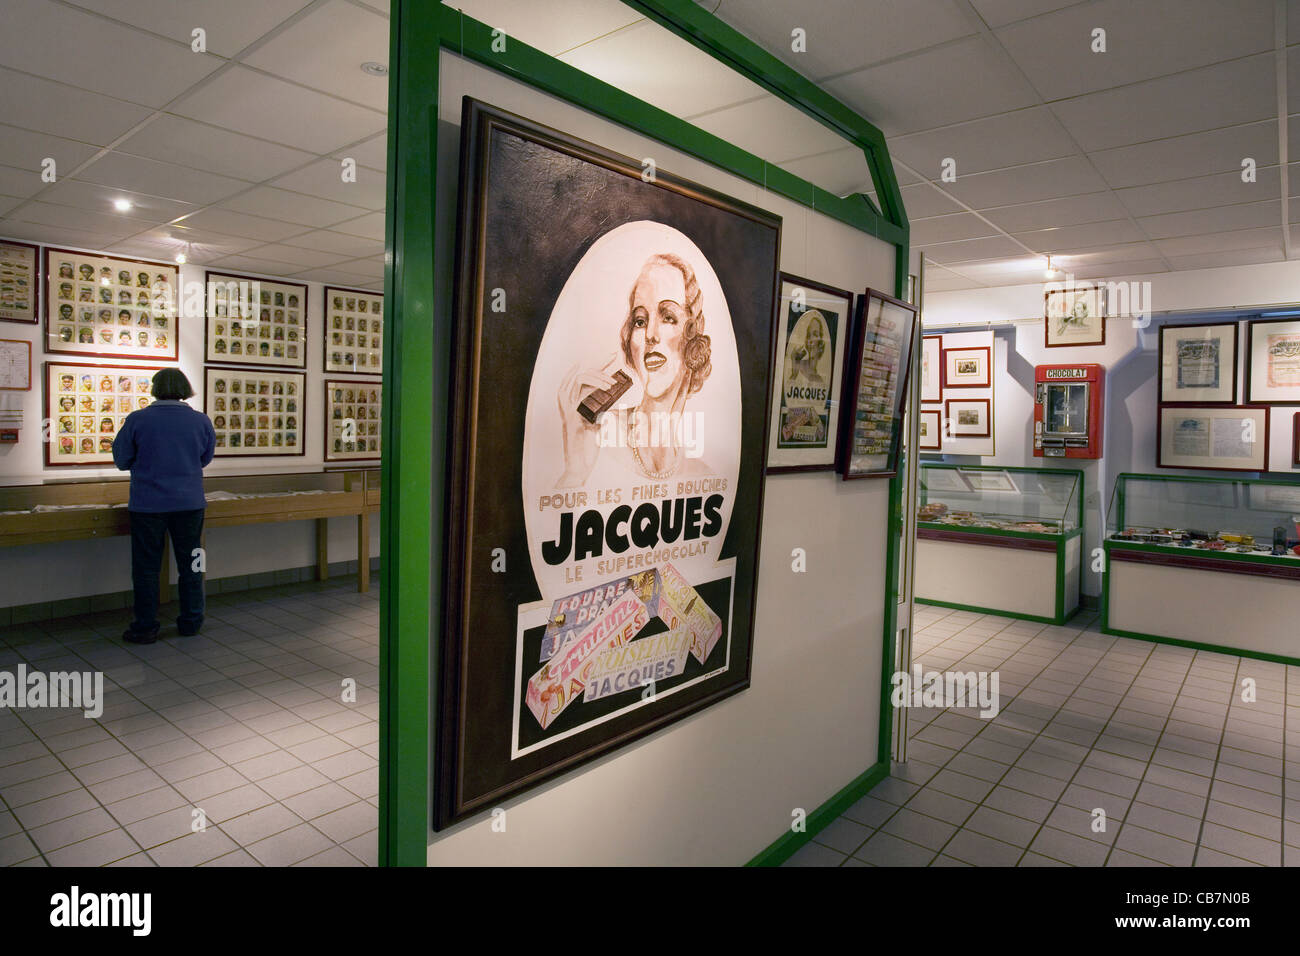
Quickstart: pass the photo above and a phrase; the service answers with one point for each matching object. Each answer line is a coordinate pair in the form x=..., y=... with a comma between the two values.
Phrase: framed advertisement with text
x=811, y=332
x=255, y=321
x=86, y=404
x=967, y=368
x=1074, y=315
x=876, y=386
x=1198, y=363
x=353, y=340
x=930, y=429
x=110, y=306
x=1225, y=438
x=607, y=448
x=932, y=368
x=1273, y=362
x=256, y=413
x=20, y=282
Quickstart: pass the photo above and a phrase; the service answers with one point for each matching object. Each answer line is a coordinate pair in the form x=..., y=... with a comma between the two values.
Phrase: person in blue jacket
x=166, y=446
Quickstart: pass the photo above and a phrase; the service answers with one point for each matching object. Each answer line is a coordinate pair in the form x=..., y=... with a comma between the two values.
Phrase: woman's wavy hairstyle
x=696, y=347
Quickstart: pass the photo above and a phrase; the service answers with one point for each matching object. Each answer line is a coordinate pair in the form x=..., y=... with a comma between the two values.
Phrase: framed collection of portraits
x=1222, y=437
x=20, y=282
x=352, y=427
x=1273, y=362
x=1198, y=363
x=813, y=323
x=930, y=430
x=254, y=412
x=110, y=306
x=354, y=331
x=15, y=365
x=931, y=368
x=968, y=417
x=1073, y=316
x=255, y=321
x=967, y=368
x=86, y=405
x=876, y=385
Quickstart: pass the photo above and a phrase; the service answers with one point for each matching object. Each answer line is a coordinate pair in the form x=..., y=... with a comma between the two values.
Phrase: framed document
x=1273, y=497
x=255, y=321
x=107, y=305
x=20, y=282
x=1226, y=438
x=990, y=480
x=15, y=365
x=1198, y=363
x=812, y=329
x=930, y=429
x=1074, y=316
x=932, y=368
x=944, y=480
x=256, y=413
x=967, y=368
x=352, y=419
x=353, y=340
x=1273, y=361
x=876, y=386
x=86, y=405
x=968, y=417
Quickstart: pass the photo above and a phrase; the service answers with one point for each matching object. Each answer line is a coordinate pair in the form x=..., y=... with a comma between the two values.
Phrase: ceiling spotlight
x=180, y=258
x=372, y=68
x=121, y=205
x=1050, y=272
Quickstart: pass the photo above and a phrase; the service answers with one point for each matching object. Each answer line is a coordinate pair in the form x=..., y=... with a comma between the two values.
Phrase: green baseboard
x=1064, y=618
x=785, y=847
x=1201, y=646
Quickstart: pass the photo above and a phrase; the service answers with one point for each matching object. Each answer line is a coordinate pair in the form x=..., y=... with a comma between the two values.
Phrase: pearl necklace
x=658, y=475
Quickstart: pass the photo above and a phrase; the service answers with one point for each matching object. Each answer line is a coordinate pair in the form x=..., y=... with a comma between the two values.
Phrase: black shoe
x=188, y=630
x=133, y=636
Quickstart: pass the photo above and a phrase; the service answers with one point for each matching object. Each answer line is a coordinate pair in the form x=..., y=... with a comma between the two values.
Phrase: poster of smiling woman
x=614, y=350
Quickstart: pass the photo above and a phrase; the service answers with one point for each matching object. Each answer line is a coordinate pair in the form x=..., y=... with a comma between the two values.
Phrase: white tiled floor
x=245, y=721
x=1158, y=737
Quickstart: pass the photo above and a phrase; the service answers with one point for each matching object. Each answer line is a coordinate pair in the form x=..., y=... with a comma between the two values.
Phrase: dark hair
x=171, y=385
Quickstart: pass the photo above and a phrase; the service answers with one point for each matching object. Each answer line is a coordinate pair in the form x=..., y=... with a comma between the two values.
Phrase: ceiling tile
x=1239, y=239
x=173, y=139
x=538, y=26
x=997, y=13
x=252, y=262
x=48, y=107
x=338, y=277
x=335, y=242
x=234, y=26
x=372, y=153
x=841, y=171
x=1200, y=192
x=1227, y=94
x=1049, y=180
x=1119, y=252
x=973, y=250
x=1090, y=207
x=56, y=235
x=99, y=199
x=379, y=6
x=229, y=223
x=72, y=46
x=200, y=245
x=19, y=182
x=1181, y=157
x=370, y=226
x=1230, y=257
x=291, y=207
x=962, y=225
x=293, y=255
x=324, y=178
x=50, y=214
x=1220, y=219
x=1126, y=267
x=923, y=201
x=259, y=105
x=936, y=281
x=772, y=129
x=159, y=179
x=1082, y=236
x=1009, y=139
x=27, y=150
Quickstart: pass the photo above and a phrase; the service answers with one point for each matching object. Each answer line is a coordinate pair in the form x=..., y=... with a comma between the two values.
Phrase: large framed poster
x=608, y=423
x=20, y=282
x=1226, y=438
x=110, y=306
x=353, y=341
x=812, y=327
x=255, y=413
x=1198, y=363
x=1273, y=362
x=86, y=404
x=255, y=321
x=352, y=420
x=876, y=386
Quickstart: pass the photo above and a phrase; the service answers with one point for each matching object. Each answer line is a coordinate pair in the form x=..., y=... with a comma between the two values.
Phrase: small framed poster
x=932, y=368
x=107, y=305
x=1198, y=363
x=876, y=385
x=1226, y=438
x=1273, y=362
x=930, y=429
x=968, y=417
x=15, y=365
x=353, y=341
x=352, y=427
x=966, y=368
x=20, y=282
x=990, y=480
x=86, y=405
x=1295, y=440
x=1074, y=316
x=255, y=413
x=255, y=321
x=812, y=328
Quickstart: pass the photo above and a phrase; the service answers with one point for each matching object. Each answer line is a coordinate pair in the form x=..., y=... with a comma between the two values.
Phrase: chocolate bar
x=600, y=400
x=678, y=604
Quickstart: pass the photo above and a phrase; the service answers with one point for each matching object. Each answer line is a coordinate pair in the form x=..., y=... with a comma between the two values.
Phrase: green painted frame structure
x=1060, y=541
x=1109, y=546
x=416, y=365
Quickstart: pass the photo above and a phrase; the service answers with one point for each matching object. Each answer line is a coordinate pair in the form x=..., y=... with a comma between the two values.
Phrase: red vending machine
x=1068, y=410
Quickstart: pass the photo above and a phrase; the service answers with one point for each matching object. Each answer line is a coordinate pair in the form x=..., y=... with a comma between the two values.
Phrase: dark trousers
x=185, y=528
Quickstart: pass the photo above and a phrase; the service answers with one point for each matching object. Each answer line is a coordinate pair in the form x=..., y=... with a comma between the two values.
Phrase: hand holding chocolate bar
x=584, y=396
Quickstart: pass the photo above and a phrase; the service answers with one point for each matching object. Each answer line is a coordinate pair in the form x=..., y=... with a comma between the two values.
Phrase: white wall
x=719, y=786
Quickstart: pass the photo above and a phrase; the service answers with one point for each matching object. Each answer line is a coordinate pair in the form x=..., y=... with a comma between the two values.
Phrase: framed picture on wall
x=1295, y=440
x=111, y=306
x=86, y=405
x=20, y=282
x=352, y=424
x=969, y=417
x=255, y=321
x=932, y=368
x=256, y=413
x=1074, y=316
x=812, y=329
x=609, y=433
x=930, y=429
x=1225, y=438
x=1273, y=361
x=967, y=368
x=15, y=365
x=1198, y=363
x=876, y=385
x=353, y=340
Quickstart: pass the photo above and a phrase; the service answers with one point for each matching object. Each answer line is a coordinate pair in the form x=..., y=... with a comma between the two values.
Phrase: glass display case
x=983, y=499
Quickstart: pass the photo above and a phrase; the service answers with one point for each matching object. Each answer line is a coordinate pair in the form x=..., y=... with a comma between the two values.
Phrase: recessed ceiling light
x=121, y=205
x=374, y=69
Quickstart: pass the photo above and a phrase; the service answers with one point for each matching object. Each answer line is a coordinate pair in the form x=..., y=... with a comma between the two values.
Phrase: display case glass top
x=1029, y=501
